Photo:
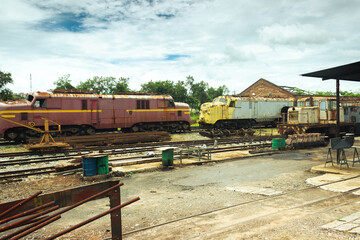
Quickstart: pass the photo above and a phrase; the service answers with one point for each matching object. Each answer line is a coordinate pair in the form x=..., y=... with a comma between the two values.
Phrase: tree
x=102, y=85
x=5, y=93
x=159, y=87
x=105, y=85
x=122, y=85
x=64, y=83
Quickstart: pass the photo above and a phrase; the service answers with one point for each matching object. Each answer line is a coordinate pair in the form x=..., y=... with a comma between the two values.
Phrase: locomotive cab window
x=232, y=104
x=223, y=100
x=170, y=103
x=40, y=103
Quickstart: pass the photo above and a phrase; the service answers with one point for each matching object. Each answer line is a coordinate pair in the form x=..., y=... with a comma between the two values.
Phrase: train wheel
x=135, y=129
x=90, y=131
x=11, y=135
x=185, y=127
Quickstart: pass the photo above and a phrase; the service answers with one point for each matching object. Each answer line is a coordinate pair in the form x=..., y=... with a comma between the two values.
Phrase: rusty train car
x=82, y=114
x=318, y=114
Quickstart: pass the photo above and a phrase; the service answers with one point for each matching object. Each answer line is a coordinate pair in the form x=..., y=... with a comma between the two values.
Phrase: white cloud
x=231, y=42
x=294, y=34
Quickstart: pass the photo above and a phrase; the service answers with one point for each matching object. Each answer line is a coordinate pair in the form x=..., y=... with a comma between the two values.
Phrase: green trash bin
x=278, y=143
x=102, y=164
x=167, y=157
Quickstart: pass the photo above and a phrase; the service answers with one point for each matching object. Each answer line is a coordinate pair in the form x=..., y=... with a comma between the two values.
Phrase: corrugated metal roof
x=349, y=72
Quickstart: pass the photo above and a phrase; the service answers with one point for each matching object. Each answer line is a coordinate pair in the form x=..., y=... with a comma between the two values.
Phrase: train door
x=332, y=110
x=171, y=105
x=94, y=112
x=323, y=112
x=255, y=110
x=39, y=112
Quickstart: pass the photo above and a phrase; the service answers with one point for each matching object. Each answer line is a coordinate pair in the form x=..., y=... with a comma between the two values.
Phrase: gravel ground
x=172, y=194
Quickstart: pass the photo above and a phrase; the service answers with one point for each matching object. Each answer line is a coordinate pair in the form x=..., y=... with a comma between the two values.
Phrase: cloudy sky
x=230, y=42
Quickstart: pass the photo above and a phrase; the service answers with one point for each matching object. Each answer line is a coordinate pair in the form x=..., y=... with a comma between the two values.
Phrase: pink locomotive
x=82, y=114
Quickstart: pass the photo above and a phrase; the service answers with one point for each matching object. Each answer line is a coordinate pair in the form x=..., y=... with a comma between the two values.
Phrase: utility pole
x=30, y=83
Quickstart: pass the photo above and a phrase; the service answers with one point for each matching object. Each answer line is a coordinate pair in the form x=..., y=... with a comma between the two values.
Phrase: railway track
x=323, y=205
x=126, y=148
x=25, y=162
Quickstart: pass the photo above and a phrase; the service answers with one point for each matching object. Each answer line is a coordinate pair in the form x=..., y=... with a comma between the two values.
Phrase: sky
x=222, y=42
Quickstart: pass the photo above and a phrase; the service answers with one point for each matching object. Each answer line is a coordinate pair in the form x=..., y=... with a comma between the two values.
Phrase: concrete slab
x=336, y=170
x=333, y=224
x=346, y=227
x=333, y=174
x=352, y=217
x=343, y=186
x=355, y=230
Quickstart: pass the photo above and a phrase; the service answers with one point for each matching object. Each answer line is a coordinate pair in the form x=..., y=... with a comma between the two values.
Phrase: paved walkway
x=349, y=224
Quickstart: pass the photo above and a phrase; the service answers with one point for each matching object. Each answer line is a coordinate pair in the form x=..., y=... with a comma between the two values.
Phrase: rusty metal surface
x=25, y=220
x=108, y=139
x=114, y=236
x=70, y=199
x=19, y=204
x=36, y=227
x=92, y=96
x=62, y=198
x=26, y=212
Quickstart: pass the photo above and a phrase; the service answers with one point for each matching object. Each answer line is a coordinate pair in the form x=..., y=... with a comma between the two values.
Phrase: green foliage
x=122, y=85
x=5, y=93
x=101, y=85
x=105, y=85
x=187, y=91
x=194, y=116
x=64, y=83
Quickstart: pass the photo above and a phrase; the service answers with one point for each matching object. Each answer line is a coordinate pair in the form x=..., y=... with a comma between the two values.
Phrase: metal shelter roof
x=349, y=72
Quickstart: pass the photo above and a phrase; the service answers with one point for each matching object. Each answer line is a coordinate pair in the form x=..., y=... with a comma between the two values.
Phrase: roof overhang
x=349, y=72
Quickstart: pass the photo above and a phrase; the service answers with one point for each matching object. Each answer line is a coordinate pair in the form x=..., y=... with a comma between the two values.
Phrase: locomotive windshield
x=223, y=100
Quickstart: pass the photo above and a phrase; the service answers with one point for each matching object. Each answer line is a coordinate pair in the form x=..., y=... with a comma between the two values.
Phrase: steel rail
x=243, y=203
x=144, y=145
x=46, y=170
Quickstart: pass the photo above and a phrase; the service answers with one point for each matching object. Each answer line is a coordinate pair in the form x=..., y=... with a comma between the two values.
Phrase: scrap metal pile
x=213, y=133
x=21, y=218
x=111, y=139
x=307, y=140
